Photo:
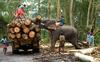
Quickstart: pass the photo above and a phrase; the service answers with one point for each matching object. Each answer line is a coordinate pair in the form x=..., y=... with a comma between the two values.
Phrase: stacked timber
x=23, y=29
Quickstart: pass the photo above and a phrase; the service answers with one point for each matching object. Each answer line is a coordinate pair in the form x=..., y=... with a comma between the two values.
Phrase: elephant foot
x=78, y=47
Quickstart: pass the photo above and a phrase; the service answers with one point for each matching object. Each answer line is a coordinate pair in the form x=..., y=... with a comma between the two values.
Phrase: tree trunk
x=71, y=12
x=49, y=9
x=88, y=14
x=39, y=7
x=58, y=10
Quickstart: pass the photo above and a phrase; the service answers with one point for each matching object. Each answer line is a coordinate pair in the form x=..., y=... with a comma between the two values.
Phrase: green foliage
x=44, y=36
x=97, y=39
x=40, y=7
x=8, y=8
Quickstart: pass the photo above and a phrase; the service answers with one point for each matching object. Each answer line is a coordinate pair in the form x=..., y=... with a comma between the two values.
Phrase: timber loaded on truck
x=24, y=34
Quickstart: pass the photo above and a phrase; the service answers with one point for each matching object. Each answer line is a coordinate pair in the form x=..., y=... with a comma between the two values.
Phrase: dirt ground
x=9, y=57
x=44, y=56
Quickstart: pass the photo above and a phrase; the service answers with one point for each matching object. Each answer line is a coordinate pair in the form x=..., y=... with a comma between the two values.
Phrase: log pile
x=22, y=29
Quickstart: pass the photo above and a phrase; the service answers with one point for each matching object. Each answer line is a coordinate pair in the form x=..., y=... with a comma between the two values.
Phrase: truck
x=24, y=34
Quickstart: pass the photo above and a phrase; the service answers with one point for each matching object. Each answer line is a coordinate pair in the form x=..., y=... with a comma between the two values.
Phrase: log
x=23, y=25
x=88, y=51
x=25, y=36
x=11, y=30
x=18, y=25
x=26, y=30
x=37, y=29
x=84, y=57
x=22, y=29
x=32, y=26
x=10, y=35
x=27, y=22
x=32, y=34
x=18, y=35
x=84, y=51
x=16, y=29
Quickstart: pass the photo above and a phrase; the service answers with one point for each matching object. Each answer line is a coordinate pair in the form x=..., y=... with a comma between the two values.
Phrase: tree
x=49, y=9
x=88, y=14
x=71, y=12
x=58, y=10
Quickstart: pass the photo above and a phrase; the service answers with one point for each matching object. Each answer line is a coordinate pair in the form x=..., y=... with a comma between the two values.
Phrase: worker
x=20, y=13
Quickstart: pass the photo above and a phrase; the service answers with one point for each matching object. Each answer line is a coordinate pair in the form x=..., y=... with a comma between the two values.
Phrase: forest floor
x=44, y=56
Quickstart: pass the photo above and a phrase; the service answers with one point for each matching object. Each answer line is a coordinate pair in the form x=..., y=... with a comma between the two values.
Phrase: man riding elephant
x=69, y=32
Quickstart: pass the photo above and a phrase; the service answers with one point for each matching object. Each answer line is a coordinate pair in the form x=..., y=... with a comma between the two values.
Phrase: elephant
x=69, y=32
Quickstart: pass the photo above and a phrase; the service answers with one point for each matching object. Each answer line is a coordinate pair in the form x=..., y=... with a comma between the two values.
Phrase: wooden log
x=12, y=25
x=88, y=51
x=11, y=35
x=32, y=26
x=16, y=29
x=18, y=24
x=27, y=22
x=32, y=34
x=84, y=51
x=11, y=30
x=18, y=35
x=25, y=36
x=26, y=30
x=15, y=22
x=37, y=29
x=83, y=57
x=23, y=26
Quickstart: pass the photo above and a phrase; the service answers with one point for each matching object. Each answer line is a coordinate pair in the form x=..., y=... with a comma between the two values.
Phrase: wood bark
x=88, y=14
x=23, y=29
x=58, y=10
x=49, y=9
x=71, y=12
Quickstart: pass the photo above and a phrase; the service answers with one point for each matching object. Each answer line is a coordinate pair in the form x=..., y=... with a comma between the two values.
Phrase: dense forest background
x=83, y=14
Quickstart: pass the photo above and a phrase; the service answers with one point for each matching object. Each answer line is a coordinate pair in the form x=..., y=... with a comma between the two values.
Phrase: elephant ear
x=51, y=25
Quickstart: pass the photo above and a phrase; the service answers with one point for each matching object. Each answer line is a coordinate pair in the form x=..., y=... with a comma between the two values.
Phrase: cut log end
x=16, y=29
x=31, y=34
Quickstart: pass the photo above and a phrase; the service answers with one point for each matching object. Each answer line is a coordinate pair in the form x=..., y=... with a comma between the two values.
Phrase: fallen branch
x=84, y=51
x=84, y=57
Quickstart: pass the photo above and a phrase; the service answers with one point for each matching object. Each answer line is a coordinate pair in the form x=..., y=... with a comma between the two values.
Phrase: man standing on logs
x=20, y=13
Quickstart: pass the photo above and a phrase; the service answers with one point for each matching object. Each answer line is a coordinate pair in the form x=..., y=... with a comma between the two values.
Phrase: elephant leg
x=53, y=45
x=75, y=43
